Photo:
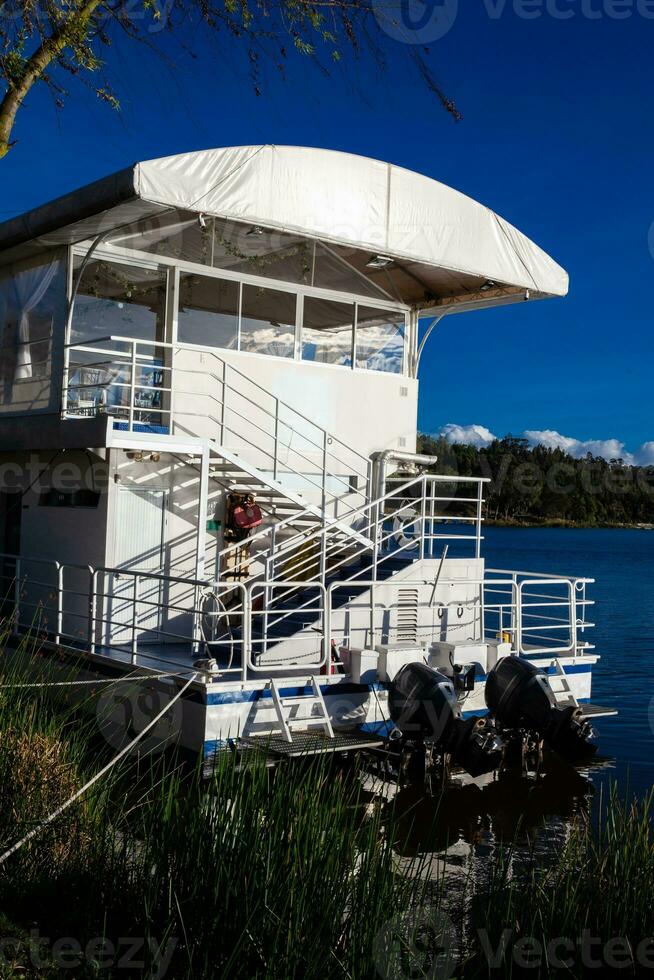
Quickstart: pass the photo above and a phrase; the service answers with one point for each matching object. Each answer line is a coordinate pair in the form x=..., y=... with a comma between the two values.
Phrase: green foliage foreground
x=277, y=875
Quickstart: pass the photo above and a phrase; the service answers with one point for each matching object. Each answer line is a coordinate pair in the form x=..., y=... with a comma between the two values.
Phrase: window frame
x=176, y=267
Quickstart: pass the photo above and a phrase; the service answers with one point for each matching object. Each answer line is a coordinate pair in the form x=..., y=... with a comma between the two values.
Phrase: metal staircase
x=234, y=472
x=301, y=473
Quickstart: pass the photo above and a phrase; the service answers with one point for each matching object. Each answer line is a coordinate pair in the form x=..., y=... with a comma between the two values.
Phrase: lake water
x=622, y=563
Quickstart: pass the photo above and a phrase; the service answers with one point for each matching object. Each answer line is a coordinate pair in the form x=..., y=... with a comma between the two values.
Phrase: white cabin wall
x=368, y=410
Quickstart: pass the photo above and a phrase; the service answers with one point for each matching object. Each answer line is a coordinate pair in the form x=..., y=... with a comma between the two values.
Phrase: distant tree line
x=538, y=484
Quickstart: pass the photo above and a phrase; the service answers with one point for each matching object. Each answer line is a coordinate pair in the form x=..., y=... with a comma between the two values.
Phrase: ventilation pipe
x=380, y=461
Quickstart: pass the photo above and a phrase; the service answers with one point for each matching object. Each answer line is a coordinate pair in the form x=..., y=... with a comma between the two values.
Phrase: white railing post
x=132, y=387
x=480, y=506
x=60, y=596
x=276, y=441
x=518, y=615
x=423, y=517
x=432, y=508
x=573, y=617
x=135, y=599
x=223, y=407
x=17, y=587
x=93, y=600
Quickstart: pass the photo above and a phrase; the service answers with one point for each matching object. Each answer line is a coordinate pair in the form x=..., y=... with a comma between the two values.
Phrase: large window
x=327, y=331
x=119, y=300
x=268, y=321
x=208, y=311
x=31, y=298
x=219, y=308
x=116, y=300
x=379, y=340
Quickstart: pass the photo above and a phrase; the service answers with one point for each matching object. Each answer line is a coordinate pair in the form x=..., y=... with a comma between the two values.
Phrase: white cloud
x=480, y=436
x=469, y=435
x=606, y=448
x=645, y=455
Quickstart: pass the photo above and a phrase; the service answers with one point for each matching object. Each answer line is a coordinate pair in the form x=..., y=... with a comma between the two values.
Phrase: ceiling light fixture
x=379, y=262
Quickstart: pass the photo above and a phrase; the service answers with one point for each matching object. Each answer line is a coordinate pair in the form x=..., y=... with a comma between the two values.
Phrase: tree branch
x=48, y=50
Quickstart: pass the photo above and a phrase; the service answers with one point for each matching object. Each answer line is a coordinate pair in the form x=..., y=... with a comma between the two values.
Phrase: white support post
x=60, y=602
x=172, y=307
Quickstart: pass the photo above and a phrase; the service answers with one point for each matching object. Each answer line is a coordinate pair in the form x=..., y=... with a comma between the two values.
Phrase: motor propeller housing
x=519, y=696
x=423, y=705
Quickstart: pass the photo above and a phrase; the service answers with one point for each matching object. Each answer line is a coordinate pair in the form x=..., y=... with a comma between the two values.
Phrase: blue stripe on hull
x=215, y=699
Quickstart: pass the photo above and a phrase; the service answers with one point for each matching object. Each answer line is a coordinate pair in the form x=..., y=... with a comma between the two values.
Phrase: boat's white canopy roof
x=448, y=248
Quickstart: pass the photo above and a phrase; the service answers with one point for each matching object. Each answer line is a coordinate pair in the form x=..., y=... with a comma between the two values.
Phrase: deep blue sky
x=557, y=136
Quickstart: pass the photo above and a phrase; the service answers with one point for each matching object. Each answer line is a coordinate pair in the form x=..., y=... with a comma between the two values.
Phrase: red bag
x=246, y=517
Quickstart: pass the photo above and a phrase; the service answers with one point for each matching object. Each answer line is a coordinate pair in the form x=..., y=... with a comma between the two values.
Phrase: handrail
x=548, y=626
x=275, y=416
x=116, y=338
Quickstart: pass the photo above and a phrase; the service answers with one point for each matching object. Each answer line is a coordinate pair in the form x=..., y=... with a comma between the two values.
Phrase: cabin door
x=138, y=548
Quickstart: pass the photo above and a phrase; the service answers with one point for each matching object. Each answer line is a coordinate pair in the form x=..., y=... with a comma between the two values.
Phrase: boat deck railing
x=161, y=621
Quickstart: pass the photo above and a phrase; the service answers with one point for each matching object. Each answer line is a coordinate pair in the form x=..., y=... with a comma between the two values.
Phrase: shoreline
x=562, y=523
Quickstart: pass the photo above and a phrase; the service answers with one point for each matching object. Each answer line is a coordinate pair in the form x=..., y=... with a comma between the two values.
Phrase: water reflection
x=465, y=820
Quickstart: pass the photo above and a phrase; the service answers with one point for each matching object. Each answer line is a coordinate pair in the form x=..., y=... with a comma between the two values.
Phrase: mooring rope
x=80, y=792
x=112, y=680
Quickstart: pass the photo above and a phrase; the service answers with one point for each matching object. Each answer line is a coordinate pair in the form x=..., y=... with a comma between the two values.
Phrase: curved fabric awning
x=454, y=246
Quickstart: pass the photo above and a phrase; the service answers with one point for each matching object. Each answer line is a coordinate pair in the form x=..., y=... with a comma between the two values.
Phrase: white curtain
x=30, y=286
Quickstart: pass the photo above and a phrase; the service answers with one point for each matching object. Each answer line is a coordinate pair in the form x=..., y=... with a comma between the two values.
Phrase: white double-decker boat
x=208, y=429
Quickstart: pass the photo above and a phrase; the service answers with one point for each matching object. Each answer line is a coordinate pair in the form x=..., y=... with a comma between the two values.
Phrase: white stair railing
x=146, y=383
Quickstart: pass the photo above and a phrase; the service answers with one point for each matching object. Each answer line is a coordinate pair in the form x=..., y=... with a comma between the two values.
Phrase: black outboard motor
x=423, y=705
x=519, y=695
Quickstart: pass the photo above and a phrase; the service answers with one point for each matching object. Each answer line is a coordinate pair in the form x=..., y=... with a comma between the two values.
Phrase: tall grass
x=251, y=874
x=285, y=874
x=590, y=905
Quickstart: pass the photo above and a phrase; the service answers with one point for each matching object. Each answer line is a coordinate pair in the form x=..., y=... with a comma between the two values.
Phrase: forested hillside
x=534, y=485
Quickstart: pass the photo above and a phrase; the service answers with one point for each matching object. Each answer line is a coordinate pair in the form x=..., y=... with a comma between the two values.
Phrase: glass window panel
x=268, y=321
x=380, y=340
x=119, y=300
x=327, y=331
x=334, y=272
x=32, y=306
x=208, y=311
x=258, y=251
x=177, y=235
